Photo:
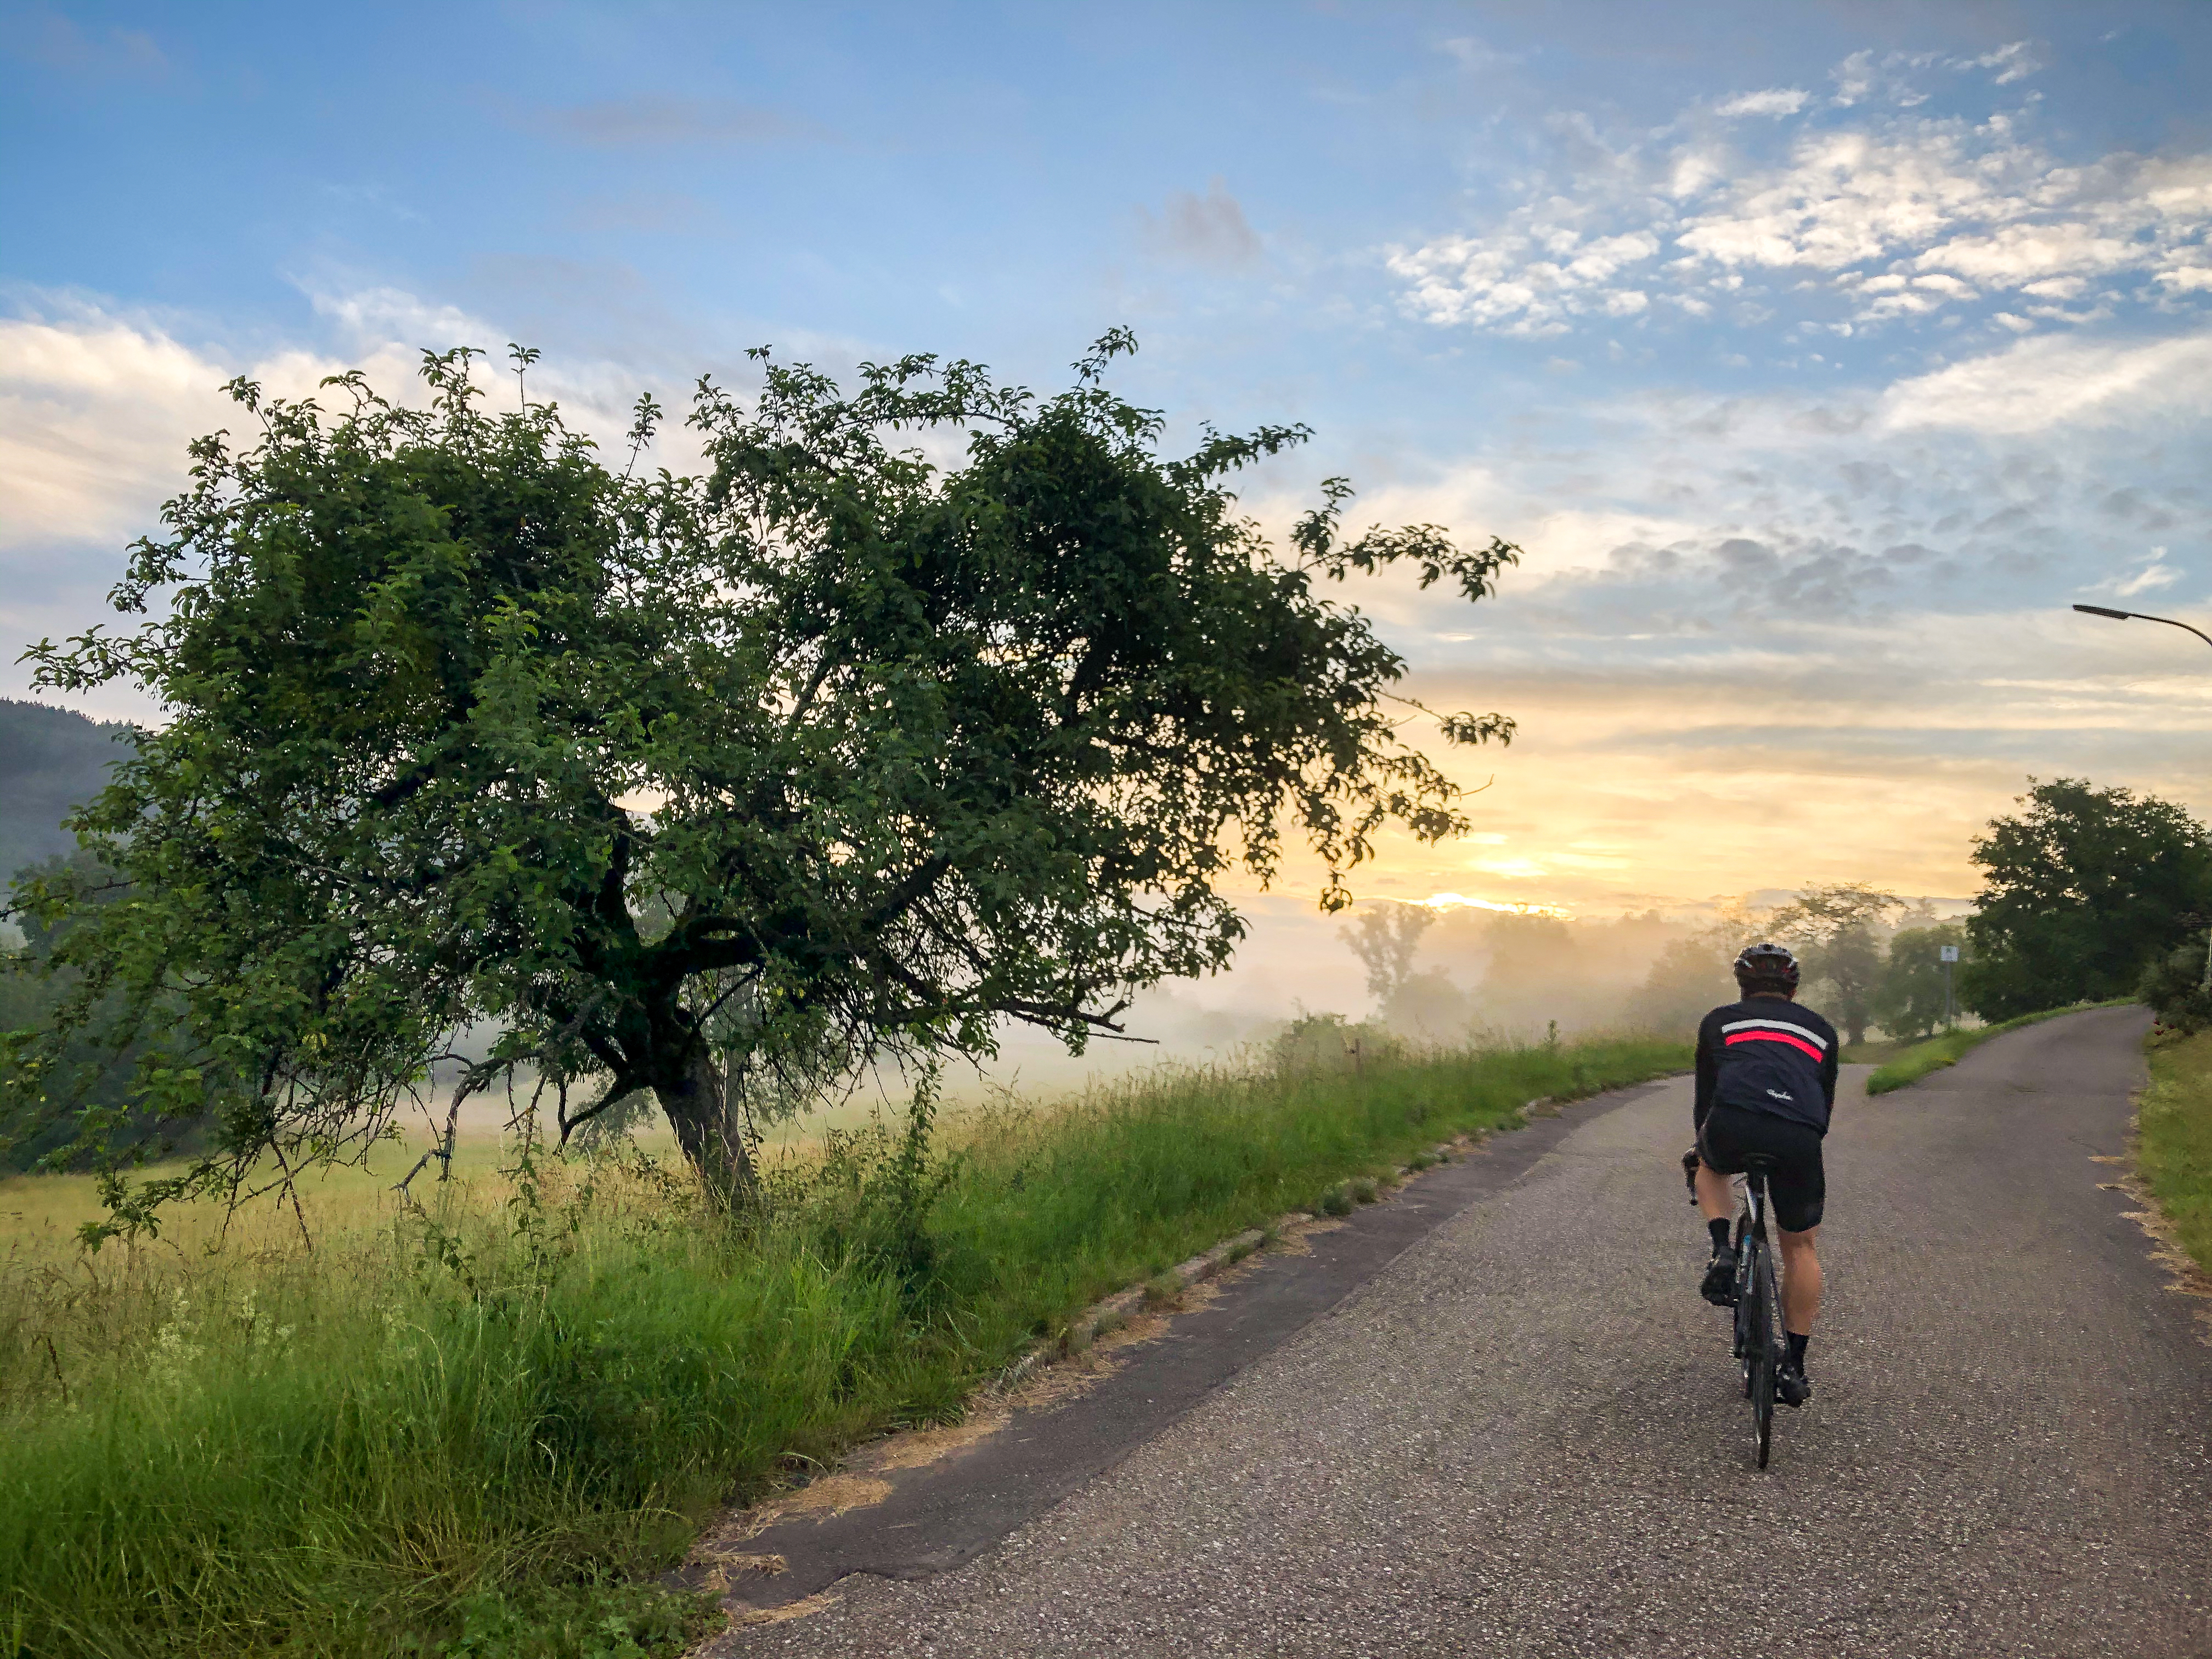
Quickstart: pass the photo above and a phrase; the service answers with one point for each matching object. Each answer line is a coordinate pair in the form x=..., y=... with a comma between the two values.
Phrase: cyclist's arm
x=1708, y=1072
x=1828, y=1072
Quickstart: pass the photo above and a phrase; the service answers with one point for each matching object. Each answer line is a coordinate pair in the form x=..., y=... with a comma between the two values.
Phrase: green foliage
x=1325, y=1044
x=1954, y=1046
x=1837, y=929
x=2173, y=1140
x=1908, y=1000
x=931, y=749
x=595, y=1621
x=431, y=1436
x=2178, y=988
x=2082, y=892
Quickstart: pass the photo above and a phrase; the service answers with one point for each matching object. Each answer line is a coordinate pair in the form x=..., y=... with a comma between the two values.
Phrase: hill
x=49, y=760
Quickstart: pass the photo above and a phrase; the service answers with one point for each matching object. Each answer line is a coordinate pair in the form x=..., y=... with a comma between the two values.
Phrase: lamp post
x=2137, y=616
x=2123, y=616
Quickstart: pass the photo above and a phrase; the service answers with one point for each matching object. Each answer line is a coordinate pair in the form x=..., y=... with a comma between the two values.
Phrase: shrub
x=2179, y=990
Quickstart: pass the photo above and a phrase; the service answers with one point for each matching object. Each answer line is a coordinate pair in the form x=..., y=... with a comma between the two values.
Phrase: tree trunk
x=706, y=1128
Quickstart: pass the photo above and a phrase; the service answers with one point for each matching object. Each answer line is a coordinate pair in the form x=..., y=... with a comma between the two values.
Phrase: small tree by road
x=827, y=753
x=1908, y=1001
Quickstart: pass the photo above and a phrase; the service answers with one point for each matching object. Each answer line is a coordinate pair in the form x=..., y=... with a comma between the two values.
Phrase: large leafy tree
x=2082, y=891
x=684, y=782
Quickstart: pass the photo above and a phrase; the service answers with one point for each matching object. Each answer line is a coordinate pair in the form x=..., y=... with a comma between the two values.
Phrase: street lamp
x=2123, y=616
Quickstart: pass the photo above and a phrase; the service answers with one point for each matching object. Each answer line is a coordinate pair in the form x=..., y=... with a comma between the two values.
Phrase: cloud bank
x=1849, y=213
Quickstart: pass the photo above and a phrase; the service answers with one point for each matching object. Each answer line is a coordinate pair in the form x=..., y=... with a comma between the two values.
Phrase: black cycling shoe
x=1719, y=1286
x=1792, y=1386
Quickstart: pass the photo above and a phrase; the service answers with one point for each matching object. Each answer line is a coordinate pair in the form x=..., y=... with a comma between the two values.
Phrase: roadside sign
x=1947, y=953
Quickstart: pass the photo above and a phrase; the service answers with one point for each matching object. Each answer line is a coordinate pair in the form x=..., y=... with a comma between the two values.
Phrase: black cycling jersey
x=1767, y=1054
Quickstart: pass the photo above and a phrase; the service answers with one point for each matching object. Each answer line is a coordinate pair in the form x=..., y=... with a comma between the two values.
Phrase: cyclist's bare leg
x=1801, y=1281
x=1715, y=1197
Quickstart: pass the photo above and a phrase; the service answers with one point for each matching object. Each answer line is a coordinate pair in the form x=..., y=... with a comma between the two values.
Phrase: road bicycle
x=1758, y=1345
x=1757, y=1304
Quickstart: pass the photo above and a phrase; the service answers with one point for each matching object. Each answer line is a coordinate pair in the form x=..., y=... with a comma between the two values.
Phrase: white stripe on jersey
x=1813, y=1038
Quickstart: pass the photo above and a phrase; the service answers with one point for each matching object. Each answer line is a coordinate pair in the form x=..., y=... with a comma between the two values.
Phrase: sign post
x=1949, y=956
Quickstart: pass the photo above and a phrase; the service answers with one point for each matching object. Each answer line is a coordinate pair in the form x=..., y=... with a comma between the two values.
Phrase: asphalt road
x=1523, y=1436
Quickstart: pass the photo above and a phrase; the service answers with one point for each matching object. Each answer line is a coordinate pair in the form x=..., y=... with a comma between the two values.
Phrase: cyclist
x=1766, y=1081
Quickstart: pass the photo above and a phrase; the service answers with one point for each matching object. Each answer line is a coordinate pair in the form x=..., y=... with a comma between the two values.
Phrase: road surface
x=1522, y=1434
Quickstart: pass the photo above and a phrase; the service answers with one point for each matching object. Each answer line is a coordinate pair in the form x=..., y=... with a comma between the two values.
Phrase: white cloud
x=2036, y=384
x=1872, y=218
x=2014, y=255
x=96, y=405
x=2151, y=573
x=2016, y=61
x=1775, y=101
x=95, y=410
x=377, y=316
x=1530, y=280
x=1854, y=77
x=1847, y=197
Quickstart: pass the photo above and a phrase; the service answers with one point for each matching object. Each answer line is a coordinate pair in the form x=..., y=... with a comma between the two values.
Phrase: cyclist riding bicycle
x=1767, y=1082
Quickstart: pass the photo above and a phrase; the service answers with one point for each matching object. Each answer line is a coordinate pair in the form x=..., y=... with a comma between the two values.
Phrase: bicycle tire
x=1765, y=1359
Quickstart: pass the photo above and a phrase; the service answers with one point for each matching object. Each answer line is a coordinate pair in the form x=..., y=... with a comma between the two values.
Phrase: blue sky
x=1820, y=355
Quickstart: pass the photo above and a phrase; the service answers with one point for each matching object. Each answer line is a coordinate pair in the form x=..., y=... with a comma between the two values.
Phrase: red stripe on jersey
x=1797, y=1044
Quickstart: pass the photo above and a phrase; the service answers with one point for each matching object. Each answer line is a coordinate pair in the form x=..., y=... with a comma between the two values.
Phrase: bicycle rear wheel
x=1765, y=1345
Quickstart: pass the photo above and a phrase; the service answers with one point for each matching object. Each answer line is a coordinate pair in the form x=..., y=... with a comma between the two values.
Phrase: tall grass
x=452, y=1432
x=2174, y=1138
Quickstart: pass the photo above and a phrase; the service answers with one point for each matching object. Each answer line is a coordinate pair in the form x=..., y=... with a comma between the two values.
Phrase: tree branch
x=622, y=1084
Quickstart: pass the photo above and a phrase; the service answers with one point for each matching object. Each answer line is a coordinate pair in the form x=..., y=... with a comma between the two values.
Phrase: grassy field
x=1910, y=1064
x=474, y=1429
x=2173, y=1148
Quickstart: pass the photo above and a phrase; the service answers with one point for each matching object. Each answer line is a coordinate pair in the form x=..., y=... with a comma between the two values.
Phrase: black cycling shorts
x=1798, y=1185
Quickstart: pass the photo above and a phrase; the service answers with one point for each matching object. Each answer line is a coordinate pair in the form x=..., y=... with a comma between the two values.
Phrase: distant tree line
x=2088, y=894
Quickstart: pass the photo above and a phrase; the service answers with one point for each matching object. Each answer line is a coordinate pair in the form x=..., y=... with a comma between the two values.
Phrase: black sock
x=1798, y=1350
x=1719, y=1230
